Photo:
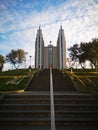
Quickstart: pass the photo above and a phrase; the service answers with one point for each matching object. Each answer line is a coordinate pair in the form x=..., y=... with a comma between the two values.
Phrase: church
x=54, y=56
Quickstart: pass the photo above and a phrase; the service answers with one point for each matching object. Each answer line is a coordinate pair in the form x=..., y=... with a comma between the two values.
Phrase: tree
x=74, y=52
x=16, y=57
x=2, y=61
x=93, y=58
x=89, y=52
x=85, y=52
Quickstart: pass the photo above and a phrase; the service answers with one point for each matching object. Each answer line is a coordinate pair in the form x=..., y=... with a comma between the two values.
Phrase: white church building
x=54, y=56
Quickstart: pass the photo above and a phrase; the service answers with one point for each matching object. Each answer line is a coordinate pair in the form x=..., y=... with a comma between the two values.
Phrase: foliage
x=94, y=53
x=74, y=51
x=89, y=51
x=16, y=57
x=2, y=61
x=85, y=52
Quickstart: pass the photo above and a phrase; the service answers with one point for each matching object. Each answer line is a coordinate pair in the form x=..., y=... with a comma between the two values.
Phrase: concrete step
x=46, y=121
x=27, y=96
x=25, y=106
x=76, y=121
x=76, y=106
x=48, y=97
x=26, y=101
x=25, y=121
x=47, y=107
x=76, y=101
x=46, y=113
x=77, y=115
x=56, y=101
x=39, y=89
x=73, y=96
x=57, y=111
x=60, y=95
x=25, y=113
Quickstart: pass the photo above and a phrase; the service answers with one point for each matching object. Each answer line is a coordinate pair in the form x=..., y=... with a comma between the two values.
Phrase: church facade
x=54, y=56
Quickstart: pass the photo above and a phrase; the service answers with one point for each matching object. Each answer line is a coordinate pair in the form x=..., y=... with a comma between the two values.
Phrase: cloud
x=19, y=27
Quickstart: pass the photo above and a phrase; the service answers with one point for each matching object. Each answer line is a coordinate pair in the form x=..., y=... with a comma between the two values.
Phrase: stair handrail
x=52, y=102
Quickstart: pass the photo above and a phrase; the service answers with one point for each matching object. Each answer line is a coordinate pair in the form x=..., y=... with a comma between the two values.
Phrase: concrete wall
x=55, y=57
x=45, y=57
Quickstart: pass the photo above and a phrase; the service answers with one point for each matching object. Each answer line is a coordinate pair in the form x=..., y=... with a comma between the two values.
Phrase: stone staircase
x=62, y=83
x=74, y=108
x=25, y=109
x=31, y=110
x=41, y=82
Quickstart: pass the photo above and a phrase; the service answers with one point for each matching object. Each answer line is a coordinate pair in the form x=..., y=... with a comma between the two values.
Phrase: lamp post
x=70, y=62
x=50, y=42
x=25, y=59
x=30, y=60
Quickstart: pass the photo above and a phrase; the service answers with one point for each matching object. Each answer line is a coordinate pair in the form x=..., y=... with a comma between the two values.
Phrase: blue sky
x=19, y=21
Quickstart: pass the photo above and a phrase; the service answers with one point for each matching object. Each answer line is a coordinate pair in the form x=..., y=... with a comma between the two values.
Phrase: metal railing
x=52, y=102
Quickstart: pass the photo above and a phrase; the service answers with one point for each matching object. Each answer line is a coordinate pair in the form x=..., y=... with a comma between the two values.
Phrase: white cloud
x=79, y=21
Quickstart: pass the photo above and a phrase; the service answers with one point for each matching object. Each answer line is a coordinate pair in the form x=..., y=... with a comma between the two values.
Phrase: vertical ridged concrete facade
x=54, y=56
x=39, y=49
x=61, y=45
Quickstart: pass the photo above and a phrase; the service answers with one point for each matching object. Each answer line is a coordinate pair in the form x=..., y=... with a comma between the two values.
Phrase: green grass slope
x=14, y=79
x=84, y=80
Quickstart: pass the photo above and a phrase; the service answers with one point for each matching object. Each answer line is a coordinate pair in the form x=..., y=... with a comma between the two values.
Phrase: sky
x=20, y=19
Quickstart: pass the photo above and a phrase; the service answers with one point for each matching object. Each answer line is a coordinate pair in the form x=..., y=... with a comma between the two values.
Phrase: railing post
x=52, y=102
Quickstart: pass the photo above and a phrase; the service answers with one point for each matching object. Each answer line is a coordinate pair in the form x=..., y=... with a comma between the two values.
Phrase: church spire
x=61, y=25
x=39, y=26
x=39, y=46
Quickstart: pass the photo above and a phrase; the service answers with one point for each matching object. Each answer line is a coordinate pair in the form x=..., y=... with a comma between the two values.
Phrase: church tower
x=61, y=45
x=39, y=49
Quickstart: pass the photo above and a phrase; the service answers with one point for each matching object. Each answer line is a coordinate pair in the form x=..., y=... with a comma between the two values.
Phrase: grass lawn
x=4, y=86
x=85, y=80
x=15, y=72
x=9, y=79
